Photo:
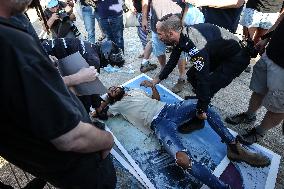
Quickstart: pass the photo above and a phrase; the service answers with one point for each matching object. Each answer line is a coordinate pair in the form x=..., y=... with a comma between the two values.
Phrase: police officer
x=216, y=54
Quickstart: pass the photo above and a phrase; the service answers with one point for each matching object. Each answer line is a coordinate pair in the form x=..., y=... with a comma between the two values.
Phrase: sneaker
x=178, y=86
x=242, y=154
x=191, y=125
x=147, y=67
x=240, y=118
x=250, y=136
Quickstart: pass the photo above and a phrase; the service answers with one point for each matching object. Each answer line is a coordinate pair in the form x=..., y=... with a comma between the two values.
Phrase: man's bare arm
x=82, y=76
x=84, y=138
x=145, y=11
x=155, y=92
x=260, y=46
x=224, y=4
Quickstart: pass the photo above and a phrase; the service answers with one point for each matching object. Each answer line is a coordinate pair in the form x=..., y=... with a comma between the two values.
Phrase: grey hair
x=171, y=23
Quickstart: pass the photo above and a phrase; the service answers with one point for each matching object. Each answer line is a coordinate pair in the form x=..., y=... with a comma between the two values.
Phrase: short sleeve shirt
x=35, y=107
x=225, y=18
x=137, y=108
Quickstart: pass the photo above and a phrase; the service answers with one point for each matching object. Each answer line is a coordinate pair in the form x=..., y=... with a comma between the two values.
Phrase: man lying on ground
x=164, y=119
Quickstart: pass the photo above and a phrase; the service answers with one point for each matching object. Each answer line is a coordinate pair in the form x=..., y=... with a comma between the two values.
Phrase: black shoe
x=240, y=118
x=191, y=125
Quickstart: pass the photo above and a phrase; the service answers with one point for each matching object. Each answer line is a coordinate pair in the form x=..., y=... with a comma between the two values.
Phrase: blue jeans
x=89, y=17
x=165, y=127
x=113, y=28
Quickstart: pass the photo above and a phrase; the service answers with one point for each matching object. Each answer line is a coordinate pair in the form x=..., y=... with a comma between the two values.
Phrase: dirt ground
x=234, y=98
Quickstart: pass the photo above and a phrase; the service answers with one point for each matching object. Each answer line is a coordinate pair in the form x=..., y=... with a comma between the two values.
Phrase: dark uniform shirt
x=35, y=108
x=208, y=46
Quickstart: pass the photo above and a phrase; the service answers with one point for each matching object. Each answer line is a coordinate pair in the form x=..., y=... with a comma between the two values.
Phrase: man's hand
x=260, y=46
x=54, y=17
x=144, y=23
x=201, y=116
x=87, y=74
x=156, y=81
x=70, y=3
x=147, y=83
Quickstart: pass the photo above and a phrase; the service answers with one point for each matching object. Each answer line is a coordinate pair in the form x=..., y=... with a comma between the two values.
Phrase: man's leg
x=142, y=34
x=159, y=49
x=167, y=134
x=273, y=102
x=89, y=22
x=181, y=80
x=235, y=151
x=258, y=85
x=106, y=29
x=117, y=31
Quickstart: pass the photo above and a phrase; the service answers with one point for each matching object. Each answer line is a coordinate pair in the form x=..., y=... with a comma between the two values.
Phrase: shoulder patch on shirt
x=193, y=51
x=198, y=63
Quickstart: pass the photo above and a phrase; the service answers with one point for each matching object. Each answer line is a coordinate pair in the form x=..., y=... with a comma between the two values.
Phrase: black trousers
x=223, y=74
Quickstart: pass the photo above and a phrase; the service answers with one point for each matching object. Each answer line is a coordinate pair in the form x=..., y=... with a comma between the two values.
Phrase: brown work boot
x=183, y=160
x=236, y=152
x=178, y=86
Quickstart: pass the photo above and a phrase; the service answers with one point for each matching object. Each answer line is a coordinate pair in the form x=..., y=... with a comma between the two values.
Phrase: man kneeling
x=164, y=119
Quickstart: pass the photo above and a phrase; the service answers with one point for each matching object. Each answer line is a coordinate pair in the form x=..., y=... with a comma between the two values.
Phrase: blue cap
x=52, y=3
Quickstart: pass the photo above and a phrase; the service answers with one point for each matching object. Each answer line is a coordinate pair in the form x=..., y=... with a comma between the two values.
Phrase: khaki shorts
x=268, y=79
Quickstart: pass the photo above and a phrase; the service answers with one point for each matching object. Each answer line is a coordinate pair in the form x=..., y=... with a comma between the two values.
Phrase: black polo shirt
x=35, y=108
x=226, y=18
x=274, y=49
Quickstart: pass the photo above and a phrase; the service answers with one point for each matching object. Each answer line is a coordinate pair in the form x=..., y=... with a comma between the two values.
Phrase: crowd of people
x=46, y=127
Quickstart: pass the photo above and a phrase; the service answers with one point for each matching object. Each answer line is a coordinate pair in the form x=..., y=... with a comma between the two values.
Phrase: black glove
x=191, y=125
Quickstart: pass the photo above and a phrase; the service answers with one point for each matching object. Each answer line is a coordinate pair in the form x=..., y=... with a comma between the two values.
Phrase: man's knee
x=183, y=160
